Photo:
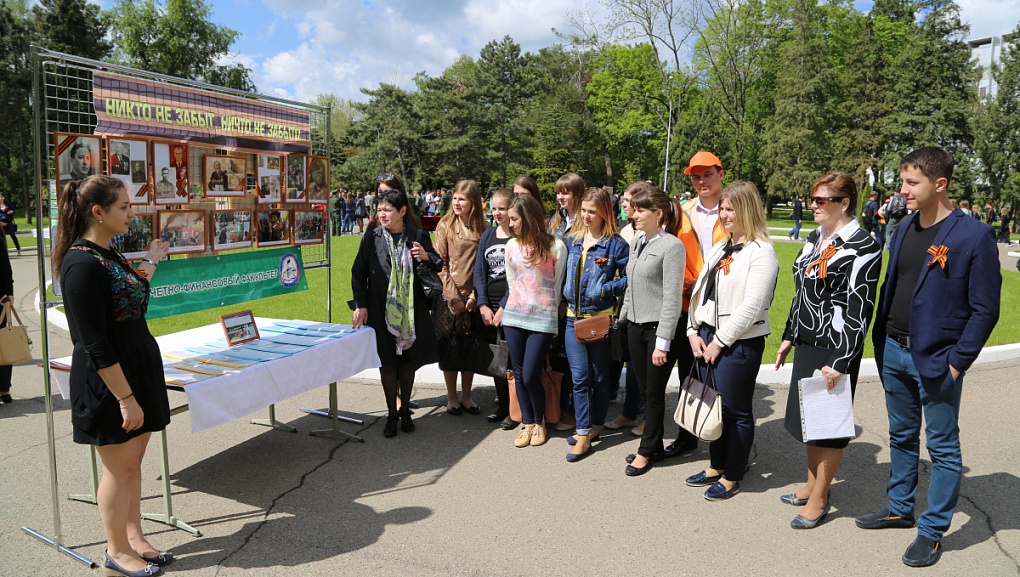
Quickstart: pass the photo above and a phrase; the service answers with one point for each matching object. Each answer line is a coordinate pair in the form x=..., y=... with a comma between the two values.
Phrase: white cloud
x=990, y=17
x=346, y=45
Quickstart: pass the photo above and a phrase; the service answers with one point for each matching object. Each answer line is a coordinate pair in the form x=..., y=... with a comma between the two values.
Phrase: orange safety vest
x=689, y=235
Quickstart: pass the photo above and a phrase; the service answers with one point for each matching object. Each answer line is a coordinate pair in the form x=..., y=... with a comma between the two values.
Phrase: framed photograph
x=239, y=327
x=308, y=226
x=184, y=230
x=267, y=183
x=231, y=229
x=127, y=160
x=224, y=175
x=317, y=190
x=273, y=227
x=76, y=156
x=170, y=173
x=296, y=177
x=135, y=242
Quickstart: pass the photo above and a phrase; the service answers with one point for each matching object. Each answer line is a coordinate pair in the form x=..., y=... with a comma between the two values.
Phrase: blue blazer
x=955, y=308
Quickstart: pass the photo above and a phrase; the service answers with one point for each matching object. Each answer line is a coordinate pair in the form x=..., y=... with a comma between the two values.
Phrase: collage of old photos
x=156, y=173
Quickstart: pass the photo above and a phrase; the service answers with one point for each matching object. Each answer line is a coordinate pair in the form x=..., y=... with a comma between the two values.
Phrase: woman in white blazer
x=729, y=319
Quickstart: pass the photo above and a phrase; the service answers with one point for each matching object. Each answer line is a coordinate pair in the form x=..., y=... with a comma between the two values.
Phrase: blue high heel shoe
x=112, y=569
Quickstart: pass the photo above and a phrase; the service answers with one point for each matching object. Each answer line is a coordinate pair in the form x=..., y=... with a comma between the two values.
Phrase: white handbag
x=699, y=411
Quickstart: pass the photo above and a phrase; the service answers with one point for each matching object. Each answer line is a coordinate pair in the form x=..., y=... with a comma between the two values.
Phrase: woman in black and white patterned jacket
x=836, y=276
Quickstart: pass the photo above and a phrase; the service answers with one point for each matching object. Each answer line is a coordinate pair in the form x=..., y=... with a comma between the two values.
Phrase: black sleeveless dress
x=105, y=300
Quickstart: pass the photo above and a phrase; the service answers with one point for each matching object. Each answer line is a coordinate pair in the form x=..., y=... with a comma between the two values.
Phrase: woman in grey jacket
x=729, y=319
x=653, y=304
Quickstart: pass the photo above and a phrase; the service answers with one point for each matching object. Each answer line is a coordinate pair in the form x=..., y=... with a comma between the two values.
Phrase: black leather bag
x=429, y=279
x=619, y=348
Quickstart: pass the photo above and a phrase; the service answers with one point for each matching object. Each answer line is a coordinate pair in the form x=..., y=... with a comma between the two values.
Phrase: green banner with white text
x=195, y=284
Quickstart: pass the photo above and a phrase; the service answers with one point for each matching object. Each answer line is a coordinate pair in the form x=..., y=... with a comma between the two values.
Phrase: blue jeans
x=795, y=231
x=907, y=395
x=348, y=223
x=589, y=370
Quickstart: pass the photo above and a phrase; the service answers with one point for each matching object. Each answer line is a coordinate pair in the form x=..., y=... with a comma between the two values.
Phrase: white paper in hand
x=826, y=414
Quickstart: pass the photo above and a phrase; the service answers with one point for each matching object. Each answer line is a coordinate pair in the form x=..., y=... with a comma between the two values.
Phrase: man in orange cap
x=699, y=230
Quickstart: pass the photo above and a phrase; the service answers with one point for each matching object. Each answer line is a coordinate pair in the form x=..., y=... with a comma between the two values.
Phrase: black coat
x=370, y=276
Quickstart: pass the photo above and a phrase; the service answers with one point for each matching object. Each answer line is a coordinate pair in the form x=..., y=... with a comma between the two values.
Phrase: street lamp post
x=669, y=134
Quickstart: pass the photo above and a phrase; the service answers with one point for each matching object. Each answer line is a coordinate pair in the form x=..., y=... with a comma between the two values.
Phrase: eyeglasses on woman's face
x=821, y=200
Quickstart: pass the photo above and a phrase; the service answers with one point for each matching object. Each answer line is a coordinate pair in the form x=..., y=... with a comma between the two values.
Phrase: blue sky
x=300, y=48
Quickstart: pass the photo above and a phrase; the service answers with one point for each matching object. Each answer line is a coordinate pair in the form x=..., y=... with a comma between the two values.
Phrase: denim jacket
x=600, y=286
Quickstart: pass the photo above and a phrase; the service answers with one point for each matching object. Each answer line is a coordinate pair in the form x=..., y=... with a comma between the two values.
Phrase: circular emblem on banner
x=290, y=272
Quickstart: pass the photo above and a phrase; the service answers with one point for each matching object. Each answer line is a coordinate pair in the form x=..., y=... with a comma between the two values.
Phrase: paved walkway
x=456, y=498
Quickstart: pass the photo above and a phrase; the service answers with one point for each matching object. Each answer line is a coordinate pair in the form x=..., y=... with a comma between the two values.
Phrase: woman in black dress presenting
x=118, y=394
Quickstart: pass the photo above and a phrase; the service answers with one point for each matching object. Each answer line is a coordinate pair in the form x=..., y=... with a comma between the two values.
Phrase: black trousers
x=735, y=374
x=652, y=380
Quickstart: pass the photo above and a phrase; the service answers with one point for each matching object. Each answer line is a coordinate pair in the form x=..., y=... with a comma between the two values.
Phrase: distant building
x=987, y=51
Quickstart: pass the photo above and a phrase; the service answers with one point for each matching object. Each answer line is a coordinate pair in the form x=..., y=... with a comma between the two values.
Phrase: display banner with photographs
x=196, y=284
x=127, y=105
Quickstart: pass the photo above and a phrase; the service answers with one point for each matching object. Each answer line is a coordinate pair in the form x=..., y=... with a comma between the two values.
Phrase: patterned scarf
x=400, y=292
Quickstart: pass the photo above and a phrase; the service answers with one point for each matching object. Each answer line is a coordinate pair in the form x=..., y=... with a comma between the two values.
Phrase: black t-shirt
x=912, y=258
x=495, y=270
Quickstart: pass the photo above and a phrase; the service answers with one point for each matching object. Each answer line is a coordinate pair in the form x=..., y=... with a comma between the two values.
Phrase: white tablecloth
x=222, y=399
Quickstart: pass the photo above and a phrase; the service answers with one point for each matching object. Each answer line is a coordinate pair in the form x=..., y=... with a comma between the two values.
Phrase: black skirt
x=807, y=360
x=95, y=411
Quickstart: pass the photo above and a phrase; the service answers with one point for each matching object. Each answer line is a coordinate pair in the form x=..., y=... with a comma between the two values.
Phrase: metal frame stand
x=272, y=422
x=334, y=415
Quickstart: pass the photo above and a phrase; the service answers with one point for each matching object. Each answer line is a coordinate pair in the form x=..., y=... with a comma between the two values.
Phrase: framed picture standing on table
x=184, y=230
x=170, y=173
x=267, y=180
x=135, y=242
x=239, y=327
x=231, y=229
x=296, y=178
x=224, y=175
x=77, y=156
x=308, y=226
x=317, y=190
x=128, y=161
x=273, y=227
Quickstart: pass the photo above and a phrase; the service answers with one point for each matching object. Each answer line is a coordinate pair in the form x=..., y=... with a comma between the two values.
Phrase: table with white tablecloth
x=221, y=399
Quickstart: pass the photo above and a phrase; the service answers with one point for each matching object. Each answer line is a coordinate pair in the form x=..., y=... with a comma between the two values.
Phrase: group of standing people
x=693, y=284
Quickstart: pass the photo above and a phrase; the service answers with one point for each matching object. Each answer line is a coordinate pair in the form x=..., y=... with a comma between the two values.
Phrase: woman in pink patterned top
x=534, y=272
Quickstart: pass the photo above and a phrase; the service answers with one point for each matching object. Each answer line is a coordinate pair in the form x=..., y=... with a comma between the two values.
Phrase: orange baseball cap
x=703, y=158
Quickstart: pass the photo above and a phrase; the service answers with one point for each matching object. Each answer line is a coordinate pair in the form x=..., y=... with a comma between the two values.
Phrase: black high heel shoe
x=406, y=424
x=6, y=397
x=390, y=430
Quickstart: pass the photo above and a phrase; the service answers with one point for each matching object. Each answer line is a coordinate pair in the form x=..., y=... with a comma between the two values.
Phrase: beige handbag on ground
x=14, y=342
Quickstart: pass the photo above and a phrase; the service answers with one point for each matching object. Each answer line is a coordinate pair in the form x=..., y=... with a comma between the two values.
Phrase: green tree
x=733, y=53
x=796, y=148
x=451, y=120
x=15, y=88
x=73, y=27
x=503, y=82
x=175, y=38
x=627, y=99
x=995, y=128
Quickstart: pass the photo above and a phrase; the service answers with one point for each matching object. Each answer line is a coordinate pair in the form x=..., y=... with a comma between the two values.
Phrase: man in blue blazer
x=939, y=304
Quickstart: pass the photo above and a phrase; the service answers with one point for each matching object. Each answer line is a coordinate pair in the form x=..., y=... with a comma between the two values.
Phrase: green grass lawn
x=311, y=304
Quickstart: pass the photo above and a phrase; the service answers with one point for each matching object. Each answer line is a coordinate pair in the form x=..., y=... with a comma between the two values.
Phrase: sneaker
x=883, y=519
x=538, y=436
x=922, y=552
x=524, y=439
